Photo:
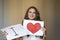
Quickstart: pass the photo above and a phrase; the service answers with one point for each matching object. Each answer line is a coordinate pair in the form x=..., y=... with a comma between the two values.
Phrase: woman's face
x=31, y=13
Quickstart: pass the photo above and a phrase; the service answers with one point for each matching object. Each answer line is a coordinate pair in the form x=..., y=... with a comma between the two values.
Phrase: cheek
x=34, y=15
x=29, y=14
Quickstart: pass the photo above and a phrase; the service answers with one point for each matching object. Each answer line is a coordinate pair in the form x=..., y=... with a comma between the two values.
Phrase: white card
x=14, y=31
x=33, y=27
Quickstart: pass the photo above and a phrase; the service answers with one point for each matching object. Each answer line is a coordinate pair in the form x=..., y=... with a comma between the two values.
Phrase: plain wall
x=1, y=18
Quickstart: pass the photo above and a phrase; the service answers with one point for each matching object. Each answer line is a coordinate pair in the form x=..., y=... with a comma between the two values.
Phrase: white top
x=31, y=37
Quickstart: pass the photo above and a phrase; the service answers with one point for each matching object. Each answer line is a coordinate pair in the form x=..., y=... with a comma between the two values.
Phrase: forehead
x=32, y=9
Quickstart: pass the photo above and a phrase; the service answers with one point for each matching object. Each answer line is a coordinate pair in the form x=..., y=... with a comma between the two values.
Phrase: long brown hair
x=36, y=12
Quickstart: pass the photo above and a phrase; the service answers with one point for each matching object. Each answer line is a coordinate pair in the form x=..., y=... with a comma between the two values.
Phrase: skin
x=31, y=14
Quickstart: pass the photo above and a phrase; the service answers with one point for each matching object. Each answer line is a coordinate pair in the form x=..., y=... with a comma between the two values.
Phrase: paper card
x=33, y=27
x=14, y=31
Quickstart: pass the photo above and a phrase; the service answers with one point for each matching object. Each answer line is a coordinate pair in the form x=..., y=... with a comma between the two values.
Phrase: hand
x=43, y=29
x=45, y=33
x=4, y=33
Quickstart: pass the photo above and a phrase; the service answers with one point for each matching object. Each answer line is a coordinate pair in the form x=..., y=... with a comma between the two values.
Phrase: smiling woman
x=33, y=14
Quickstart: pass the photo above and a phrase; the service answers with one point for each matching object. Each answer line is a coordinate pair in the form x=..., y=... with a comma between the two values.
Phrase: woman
x=33, y=14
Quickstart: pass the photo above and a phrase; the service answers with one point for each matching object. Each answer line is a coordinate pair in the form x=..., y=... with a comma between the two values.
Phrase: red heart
x=33, y=28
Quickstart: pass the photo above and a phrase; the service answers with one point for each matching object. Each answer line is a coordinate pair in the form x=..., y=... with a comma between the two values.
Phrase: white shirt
x=31, y=37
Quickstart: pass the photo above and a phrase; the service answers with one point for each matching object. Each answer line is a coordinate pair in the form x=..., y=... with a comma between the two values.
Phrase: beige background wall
x=14, y=11
x=1, y=18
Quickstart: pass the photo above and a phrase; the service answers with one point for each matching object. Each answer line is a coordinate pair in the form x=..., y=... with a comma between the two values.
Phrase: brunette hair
x=36, y=12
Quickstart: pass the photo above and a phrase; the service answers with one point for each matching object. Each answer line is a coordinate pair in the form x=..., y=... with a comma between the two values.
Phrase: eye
x=34, y=12
x=30, y=12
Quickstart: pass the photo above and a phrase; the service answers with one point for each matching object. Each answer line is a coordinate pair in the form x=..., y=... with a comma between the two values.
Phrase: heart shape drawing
x=33, y=28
